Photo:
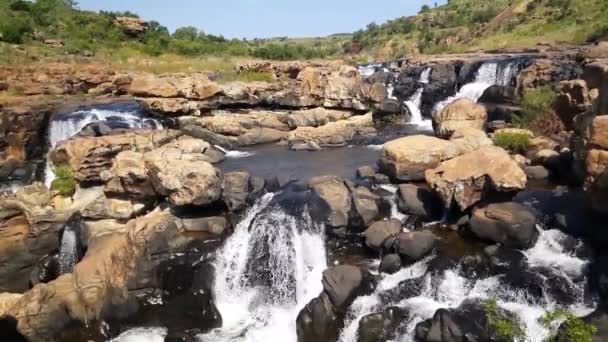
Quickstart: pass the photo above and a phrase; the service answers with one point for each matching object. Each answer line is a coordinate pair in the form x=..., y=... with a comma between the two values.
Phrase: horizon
x=279, y=19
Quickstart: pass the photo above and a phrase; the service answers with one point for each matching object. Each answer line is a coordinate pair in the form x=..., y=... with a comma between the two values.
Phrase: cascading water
x=449, y=289
x=65, y=126
x=415, y=101
x=489, y=74
x=234, y=153
x=70, y=250
x=266, y=272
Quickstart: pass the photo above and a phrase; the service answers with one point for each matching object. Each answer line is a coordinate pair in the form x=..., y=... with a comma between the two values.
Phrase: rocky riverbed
x=333, y=204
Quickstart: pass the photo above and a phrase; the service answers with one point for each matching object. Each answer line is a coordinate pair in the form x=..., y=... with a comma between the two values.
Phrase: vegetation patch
x=64, y=182
x=537, y=113
x=246, y=76
x=512, y=141
x=573, y=329
x=506, y=328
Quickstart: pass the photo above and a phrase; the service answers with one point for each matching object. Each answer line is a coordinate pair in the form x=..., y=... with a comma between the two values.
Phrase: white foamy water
x=142, y=335
x=414, y=103
x=68, y=252
x=489, y=74
x=68, y=125
x=449, y=289
x=291, y=250
x=234, y=153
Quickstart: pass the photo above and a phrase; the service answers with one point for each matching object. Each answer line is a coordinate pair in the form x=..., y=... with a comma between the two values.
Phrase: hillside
x=467, y=25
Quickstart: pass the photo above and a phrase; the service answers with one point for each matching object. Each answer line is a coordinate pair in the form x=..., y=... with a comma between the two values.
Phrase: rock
x=441, y=85
x=391, y=263
x=100, y=279
x=236, y=190
x=414, y=200
x=215, y=225
x=406, y=159
x=193, y=86
x=184, y=181
x=381, y=326
x=112, y=208
x=88, y=157
x=338, y=133
x=573, y=98
x=129, y=176
x=379, y=232
x=94, y=231
x=546, y=157
x=315, y=117
x=465, y=179
x=170, y=107
x=498, y=94
x=596, y=163
x=131, y=25
x=318, y=321
x=344, y=283
x=367, y=171
x=334, y=200
x=536, y=172
x=543, y=72
x=468, y=139
x=414, y=245
x=365, y=205
x=509, y=223
x=459, y=114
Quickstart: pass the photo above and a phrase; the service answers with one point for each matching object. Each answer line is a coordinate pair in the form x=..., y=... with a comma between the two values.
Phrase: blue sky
x=265, y=18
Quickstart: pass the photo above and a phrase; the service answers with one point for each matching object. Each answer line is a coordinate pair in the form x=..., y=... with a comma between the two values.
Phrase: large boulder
x=236, y=190
x=596, y=163
x=510, y=224
x=573, y=98
x=379, y=232
x=380, y=326
x=128, y=176
x=413, y=246
x=365, y=205
x=318, y=321
x=131, y=25
x=462, y=113
x=101, y=279
x=418, y=201
x=334, y=200
x=88, y=157
x=112, y=208
x=315, y=117
x=196, y=86
x=464, y=180
x=344, y=283
x=337, y=133
x=406, y=159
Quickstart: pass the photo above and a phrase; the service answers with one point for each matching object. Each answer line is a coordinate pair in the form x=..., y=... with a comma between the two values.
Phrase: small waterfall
x=449, y=289
x=234, y=153
x=415, y=101
x=489, y=74
x=70, y=250
x=67, y=125
x=266, y=272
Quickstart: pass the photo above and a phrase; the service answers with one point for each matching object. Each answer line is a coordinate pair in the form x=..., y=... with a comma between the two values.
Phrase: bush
x=535, y=103
x=513, y=142
x=507, y=329
x=14, y=30
x=64, y=182
x=573, y=329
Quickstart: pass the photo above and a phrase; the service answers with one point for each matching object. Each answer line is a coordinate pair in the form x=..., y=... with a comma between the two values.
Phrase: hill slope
x=464, y=25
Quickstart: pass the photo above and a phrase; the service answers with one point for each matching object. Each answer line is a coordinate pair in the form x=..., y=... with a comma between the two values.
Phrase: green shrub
x=535, y=104
x=506, y=328
x=513, y=142
x=64, y=182
x=573, y=328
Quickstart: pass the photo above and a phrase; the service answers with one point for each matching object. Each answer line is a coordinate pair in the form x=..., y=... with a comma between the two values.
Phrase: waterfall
x=66, y=125
x=415, y=101
x=449, y=289
x=266, y=272
x=70, y=250
x=489, y=74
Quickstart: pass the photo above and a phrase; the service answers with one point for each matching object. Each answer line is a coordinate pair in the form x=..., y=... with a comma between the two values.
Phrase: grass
x=537, y=112
x=506, y=329
x=246, y=76
x=513, y=142
x=64, y=182
x=573, y=329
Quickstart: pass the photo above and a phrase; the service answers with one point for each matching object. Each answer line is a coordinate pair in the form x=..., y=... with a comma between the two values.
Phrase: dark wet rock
x=344, y=283
x=236, y=190
x=333, y=200
x=540, y=281
x=215, y=225
x=418, y=201
x=414, y=245
x=466, y=323
x=380, y=178
x=509, y=223
x=498, y=94
x=9, y=331
x=536, y=172
x=381, y=326
x=318, y=321
x=365, y=206
x=379, y=232
x=391, y=263
x=367, y=171
x=179, y=337
x=442, y=84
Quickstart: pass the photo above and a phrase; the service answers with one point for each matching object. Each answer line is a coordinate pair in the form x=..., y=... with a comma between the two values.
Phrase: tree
x=425, y=8
x=186, y=33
